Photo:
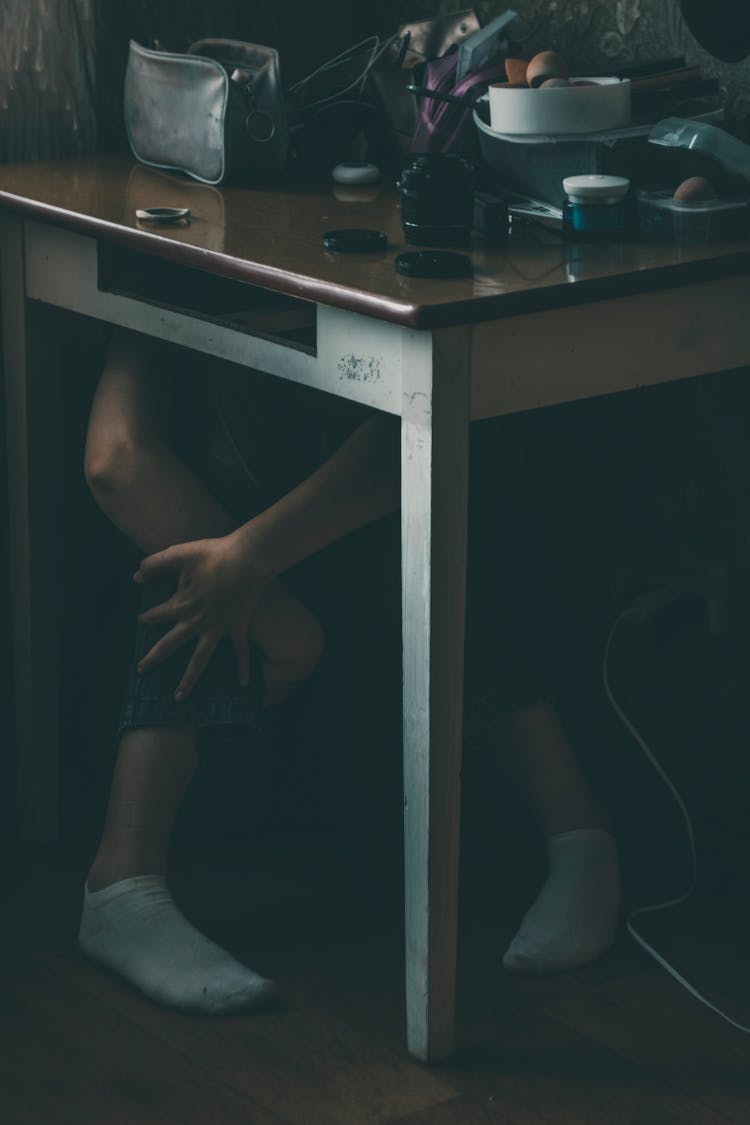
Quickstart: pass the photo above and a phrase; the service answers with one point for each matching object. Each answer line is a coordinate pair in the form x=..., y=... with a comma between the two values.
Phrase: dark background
x=662, y=471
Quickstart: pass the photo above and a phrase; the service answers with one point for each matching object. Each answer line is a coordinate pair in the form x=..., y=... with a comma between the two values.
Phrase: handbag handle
x=243, y=80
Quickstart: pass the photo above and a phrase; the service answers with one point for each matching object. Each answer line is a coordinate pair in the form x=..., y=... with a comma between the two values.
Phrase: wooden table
x=540, y=322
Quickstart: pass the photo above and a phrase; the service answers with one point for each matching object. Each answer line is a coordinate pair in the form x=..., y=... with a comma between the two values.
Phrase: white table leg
x=434, y=470
x=32, y=376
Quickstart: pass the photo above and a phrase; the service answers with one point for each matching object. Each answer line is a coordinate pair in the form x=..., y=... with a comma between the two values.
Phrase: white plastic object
x=699, y=136
x=561, y=109
x=356, y=173
x=700, y=220
x=595, y=188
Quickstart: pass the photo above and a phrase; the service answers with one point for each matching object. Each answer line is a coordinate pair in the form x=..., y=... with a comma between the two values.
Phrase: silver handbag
x=216, y=113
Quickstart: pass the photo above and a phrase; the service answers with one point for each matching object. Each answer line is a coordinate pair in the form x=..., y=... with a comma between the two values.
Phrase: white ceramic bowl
x=561, y=109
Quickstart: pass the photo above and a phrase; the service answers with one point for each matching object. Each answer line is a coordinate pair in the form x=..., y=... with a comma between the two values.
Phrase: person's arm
x=220, y=579
x=359, y=484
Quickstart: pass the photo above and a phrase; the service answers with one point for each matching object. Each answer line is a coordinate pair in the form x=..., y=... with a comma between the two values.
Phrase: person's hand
x=216, y=597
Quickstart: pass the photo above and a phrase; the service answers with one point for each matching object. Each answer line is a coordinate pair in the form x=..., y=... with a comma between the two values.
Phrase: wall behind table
x=47, y=78
x=305, y=35
x=62, y=62
x=47, y=109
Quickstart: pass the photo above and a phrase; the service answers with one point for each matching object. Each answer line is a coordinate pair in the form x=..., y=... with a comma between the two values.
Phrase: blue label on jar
x=597, y=218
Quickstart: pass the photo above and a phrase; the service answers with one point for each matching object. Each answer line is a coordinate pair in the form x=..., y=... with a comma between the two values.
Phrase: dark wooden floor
x=613, y=1044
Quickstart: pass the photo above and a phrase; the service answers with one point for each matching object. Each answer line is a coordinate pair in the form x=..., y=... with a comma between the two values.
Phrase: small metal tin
x=162, y=214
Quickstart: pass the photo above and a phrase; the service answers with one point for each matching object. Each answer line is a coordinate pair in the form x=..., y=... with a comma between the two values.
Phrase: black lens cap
x=434, y=263
x=353, y=240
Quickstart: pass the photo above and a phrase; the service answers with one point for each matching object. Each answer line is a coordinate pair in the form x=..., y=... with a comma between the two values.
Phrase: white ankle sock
x=574, y=918
x=134, y=927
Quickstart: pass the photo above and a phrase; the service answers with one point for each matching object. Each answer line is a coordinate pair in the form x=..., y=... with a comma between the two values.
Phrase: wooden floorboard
x=654, y=1022
x=67, y=1057
x=307, y=1066
x=460, y=1111
x=615, y=1044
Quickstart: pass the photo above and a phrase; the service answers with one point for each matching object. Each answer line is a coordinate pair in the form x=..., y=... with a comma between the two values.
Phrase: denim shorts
x=280, y=434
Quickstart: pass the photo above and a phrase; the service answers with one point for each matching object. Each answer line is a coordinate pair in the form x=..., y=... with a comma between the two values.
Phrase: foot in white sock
x=574, y=918
x=134, y=927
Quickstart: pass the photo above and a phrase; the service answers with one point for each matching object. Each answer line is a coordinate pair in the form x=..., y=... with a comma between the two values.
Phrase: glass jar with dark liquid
x=596, y=207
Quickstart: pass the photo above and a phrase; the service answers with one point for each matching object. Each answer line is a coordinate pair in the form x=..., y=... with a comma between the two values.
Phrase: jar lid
x=595, y=189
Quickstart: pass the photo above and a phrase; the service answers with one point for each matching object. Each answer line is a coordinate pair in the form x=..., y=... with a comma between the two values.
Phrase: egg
x=551, y=82
x=547, y=64
x=694, y=189
x=515, y=71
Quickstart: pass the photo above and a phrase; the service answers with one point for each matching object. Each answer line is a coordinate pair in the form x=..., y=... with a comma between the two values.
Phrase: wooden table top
x=271, y=236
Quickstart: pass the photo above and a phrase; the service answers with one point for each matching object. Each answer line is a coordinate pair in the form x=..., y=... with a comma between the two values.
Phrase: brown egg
x=694, y=189
x=547, y=64
x=551, y=82
x=515, y=71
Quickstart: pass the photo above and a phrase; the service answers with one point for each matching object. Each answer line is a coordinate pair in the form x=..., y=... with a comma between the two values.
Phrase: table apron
x=517, y=363
x=357, y=357
x=560, y=355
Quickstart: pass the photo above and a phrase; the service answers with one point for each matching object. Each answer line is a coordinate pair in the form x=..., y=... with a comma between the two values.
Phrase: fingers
x=242, y=652
x=204, y=650
x=162, y=562
x=161, y=614
x=169, y=643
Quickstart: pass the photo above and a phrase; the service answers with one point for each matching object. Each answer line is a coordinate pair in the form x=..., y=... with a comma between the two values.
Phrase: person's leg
x=156, y=500
x=129, y=920
x=151, y=495
x=153, y=770
x=515, y=604
x=574, y=918
x=532, y=749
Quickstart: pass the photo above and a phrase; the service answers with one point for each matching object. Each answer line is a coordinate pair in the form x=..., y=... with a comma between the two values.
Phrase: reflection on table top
x=271, y=235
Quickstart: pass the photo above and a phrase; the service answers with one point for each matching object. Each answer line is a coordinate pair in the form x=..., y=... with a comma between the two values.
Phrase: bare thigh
x=133, y=399
x=157, y=500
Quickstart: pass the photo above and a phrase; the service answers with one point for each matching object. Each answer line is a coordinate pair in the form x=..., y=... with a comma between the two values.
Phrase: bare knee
x=125, y=422
x=311, y=649
x=299, y=655
x=111, y=465
x=287, y=668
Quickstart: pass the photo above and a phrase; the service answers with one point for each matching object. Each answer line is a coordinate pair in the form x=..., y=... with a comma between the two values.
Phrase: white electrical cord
x=641, y=611
x=344, y=56
x=373, y=43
